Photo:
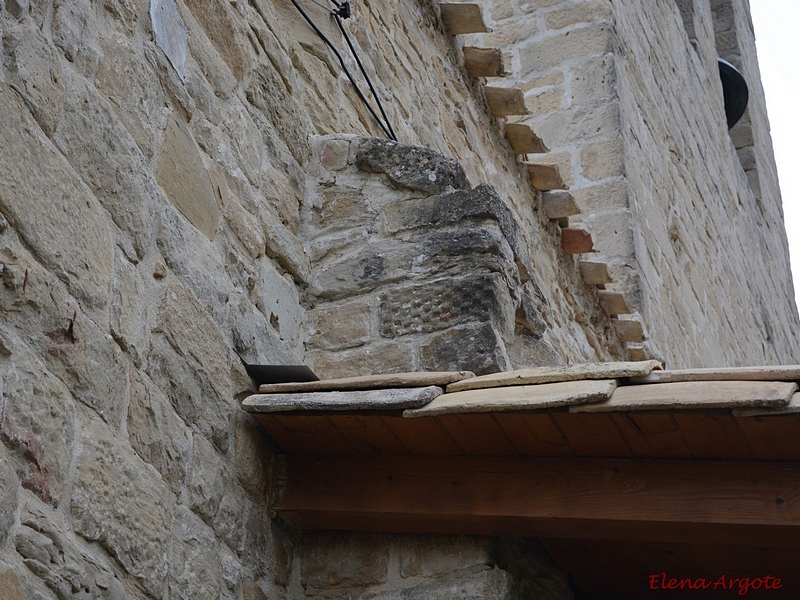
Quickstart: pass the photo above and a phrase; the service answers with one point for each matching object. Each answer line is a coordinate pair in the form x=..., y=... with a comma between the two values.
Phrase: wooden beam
x=576, y=241
x=504, y=102
x=739, y=502
x=629, y=330
x=483, y=62
x=613, y=303
x=595, y=273
x=559, y=205
x=463, y=17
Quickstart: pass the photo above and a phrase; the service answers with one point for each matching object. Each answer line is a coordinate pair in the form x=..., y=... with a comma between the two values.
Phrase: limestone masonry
x=182, y=181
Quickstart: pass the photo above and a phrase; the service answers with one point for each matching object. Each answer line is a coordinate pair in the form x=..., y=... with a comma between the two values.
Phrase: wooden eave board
x=383, y=399
x=537, y=375
x=517, y=398
x=369, y=382
x=779, y=373
x=695, y=394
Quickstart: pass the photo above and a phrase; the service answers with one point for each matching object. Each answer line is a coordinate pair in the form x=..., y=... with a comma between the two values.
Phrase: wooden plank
x=517, y=398
x=652, y=435
x=694, y=395
x=282, y=438
x=612, y=303
x=713, y=436
x=559, y=205
x=780, y=373
x=463, y=17
x=534, y=434
x=615, y=499
x=423, y=437
x=629, y=330
x=606, y=370
x=772, y=438
x=593, y=435
x=479, y=435
x=576, y=241
x=483, y=62
x=504, y=102
x=637, y=353
x=594, y=273
x=523, y=139
x=369, y=382
x=388, y=399
x=546, y=177
x=368, y=434
x=315, y=434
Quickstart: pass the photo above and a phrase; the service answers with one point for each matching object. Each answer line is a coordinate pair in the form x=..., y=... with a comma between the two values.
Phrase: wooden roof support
x=595, y=273
x=741, y=502
x=613, y=303
x=483, y=62
x=559, y=205
x=576, y=241
x=546, y=177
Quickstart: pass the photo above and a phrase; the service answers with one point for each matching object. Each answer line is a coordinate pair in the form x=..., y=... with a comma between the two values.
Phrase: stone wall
x=688, y=217
x=154, y=166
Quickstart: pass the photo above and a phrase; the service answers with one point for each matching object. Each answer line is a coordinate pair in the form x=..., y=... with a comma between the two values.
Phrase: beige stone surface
x=516, y=398
x=767, y=373
x=537, y=375
x=695, y=395
x=380, y=399
x=391, y=380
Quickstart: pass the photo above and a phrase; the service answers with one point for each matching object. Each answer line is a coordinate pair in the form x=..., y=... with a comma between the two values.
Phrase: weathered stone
x=411, y=167
x=594, y=80
x=226, y=30
x=487, y=584
x=284, y=247
x=376, y=358
x=128, y=315
x=482, y=202
x=477, y=349
x=254, y=458
x=245, y=227
x=9, y=496
x=184, y=178
x=121, y=502
x=75, y=31
x=10, y=586
x=68, y=232
x=195, y=260
x=602, y=160
x=190, y=361
x=195, y=570
x=433, y=556
x=442, y=304
x=280, y=303
x=340, y=326
x=369, y=382
x=157, y=433
x=596, y=38
x=333, y=560
x=120, y=179
x=383, y=399
x=170, y=33
x=38, y=425
x=36, y=72
x=254, y=339
x=559, y=205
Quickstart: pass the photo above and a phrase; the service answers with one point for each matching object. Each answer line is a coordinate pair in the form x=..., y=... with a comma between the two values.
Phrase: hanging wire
x=342, y=11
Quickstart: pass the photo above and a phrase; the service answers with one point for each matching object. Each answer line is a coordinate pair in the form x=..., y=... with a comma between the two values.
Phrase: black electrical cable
x=364, y=73
x=385, y=127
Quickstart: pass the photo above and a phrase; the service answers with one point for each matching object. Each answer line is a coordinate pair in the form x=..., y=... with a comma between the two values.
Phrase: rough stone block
x=35, y=69
x=190, y=361
x=195, y=567
x=330, y=559
x=553, y=51
x=602, y=196
x=170, y=33
x=69, y=232
x=340, y=326
x=254, y=339
x=9, y=497
x=547, y=101
x=76, y=32
x=593, y=80
x=254, y=458
x=612, y=231
x=227, y=32
x=121, y=502
x=184, y=178
x=411, y=167
x=38, y=425
x=156, y=433
x=434, y=556
x=10, y=586
x=560, y=129
x=374, y=359
x=488, y=584
x=602, y=160
x=280, y=302
x=592, y=11
x=436, y=305
x=478, y=349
